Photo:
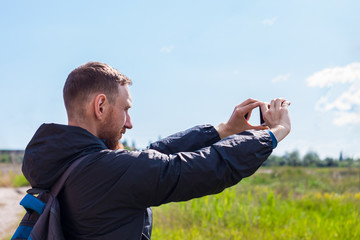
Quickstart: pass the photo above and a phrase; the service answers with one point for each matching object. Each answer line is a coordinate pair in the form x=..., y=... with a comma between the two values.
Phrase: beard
x=110, y=140
x=111, y=143
x=110, y=134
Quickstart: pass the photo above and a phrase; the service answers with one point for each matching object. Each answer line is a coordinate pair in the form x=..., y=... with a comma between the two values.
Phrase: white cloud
x=347, y=118
x=281, y=78
x=346, y=101
x=269, y=22
x=329, y=76
x=346, y=105
x=167, y=49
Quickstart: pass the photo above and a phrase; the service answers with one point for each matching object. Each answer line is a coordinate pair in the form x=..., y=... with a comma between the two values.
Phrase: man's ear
x=100, y=105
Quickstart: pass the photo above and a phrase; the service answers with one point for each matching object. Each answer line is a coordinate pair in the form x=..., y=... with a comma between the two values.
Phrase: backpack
x=42, y=218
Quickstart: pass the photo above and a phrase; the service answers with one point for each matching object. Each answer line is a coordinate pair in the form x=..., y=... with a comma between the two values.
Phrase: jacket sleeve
x=187, y=141
x=153, y=178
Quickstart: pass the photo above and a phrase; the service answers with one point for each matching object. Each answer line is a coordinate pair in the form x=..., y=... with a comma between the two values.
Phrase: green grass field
x=274, y=203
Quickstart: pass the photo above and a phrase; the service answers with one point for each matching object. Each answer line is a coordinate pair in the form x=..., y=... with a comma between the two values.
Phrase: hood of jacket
x=52, y=150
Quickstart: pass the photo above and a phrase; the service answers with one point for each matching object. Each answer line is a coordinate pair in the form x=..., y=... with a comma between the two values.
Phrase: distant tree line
x=11, y=156
x=310, y=159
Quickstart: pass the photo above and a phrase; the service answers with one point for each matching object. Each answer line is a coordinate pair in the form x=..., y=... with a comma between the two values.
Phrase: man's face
x=117, y=119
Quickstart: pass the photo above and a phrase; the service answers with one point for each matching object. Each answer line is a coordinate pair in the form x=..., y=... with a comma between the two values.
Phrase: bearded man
x=109, y=194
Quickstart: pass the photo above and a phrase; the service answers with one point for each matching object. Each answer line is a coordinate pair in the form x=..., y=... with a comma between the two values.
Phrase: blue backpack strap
x=31, y=202
x=22, y=232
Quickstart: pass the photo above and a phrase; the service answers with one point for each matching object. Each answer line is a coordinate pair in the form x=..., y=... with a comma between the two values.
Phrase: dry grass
x=6, y=180
x=11, y=176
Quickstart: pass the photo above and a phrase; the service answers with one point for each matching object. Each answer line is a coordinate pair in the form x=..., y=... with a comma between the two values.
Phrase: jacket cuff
x=273, y=138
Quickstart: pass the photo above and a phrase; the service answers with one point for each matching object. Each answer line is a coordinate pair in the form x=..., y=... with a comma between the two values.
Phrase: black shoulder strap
x=60, y=183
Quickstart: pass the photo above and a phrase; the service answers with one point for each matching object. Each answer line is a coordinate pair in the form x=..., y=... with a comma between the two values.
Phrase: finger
x=278, y=103
x=272, y=104
x=258, y=127
x=249, y=107
x=285, y=103
x=248, y=101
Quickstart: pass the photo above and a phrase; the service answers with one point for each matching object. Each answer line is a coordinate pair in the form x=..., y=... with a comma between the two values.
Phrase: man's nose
x=128, y=123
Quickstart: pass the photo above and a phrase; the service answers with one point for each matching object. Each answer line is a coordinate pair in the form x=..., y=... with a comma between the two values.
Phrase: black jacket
x=109, y=194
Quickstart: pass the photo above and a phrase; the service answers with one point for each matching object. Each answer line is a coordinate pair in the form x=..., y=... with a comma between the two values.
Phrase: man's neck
x=86, y=125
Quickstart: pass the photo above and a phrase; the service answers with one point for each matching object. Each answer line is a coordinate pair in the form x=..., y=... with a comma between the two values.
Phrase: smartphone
x=262, y=122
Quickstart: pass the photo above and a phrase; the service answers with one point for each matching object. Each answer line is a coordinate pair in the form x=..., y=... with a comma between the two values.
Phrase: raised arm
x=187, y=141
x=186, y=175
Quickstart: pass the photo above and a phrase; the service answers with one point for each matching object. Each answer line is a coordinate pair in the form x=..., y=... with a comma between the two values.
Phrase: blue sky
x=191, y=62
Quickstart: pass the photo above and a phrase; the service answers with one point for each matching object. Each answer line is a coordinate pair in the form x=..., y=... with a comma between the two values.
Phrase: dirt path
x=10, y=210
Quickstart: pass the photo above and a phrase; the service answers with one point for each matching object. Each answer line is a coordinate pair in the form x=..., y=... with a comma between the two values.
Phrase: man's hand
x=237, y=122
x=276, y=117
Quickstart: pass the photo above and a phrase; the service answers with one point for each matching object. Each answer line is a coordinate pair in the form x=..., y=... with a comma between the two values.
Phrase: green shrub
x=20, y=181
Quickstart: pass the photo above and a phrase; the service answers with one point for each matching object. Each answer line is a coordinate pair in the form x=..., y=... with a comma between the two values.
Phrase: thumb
x=260, y=127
